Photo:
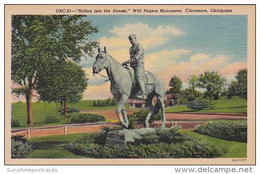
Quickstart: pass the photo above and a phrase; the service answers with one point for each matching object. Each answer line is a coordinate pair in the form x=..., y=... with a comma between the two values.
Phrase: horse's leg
x=125, y=117
x=151, y=113
x=161, y=102
x=125, y=98
x=121, y=109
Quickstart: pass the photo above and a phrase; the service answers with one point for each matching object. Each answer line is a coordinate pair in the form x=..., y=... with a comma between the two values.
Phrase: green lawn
x=55, y=146
x=223, y=105
x=232, y=149
x=41, y=110
x=88, y=105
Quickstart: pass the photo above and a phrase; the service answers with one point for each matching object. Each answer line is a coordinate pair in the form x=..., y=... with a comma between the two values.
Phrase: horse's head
x=101, y=61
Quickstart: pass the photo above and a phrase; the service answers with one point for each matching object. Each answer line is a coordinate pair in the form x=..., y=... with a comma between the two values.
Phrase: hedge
x=162, y=144
x=20, y=147
x=86, y=117
x=225, y=129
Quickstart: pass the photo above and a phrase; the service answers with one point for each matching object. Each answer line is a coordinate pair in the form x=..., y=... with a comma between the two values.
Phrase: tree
x=213, y=83
x=38, y=39
x=193, y=82
x=63, y=81
x=191, y=95
x=175, y=85
x=232, y=89
x=109, y=101
x=242, y=83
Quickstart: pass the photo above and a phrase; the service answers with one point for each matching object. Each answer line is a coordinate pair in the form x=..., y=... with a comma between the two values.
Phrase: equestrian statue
x=131, y=81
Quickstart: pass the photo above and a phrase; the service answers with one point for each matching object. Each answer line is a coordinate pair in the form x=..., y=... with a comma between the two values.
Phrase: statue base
x=123, y=137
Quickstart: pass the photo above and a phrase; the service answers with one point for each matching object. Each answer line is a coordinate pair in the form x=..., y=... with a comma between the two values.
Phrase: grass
x=88, y=105
x=231, y=149
x=223, y=105
x=55, y=146
x=41, y=110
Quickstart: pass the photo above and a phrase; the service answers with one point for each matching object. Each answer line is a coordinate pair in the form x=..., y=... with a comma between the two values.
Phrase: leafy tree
x=193, y=82
x=38, y=39
x=62, y=81
x=213, y=83
x=232, y=89
x=190, y=95
x=109, y=101
x=175, y=85
x=242, y=83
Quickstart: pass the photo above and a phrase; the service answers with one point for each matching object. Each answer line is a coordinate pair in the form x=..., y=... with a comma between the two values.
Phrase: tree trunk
x=65, y=109
x=28, y=96
x=29, y=108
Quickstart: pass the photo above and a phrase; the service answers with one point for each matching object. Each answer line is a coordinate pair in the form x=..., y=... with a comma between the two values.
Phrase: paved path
x=111, y=114
x=186, y=120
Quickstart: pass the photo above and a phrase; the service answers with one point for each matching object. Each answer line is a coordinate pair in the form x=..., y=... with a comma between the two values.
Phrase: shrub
x=20, y=147
x=51, y=119
x=19, y=138
x=196, y=148
x=140, y=116
x=86, y=118
x=182, y=100
x=132, y=122
x=168, y=136
x=97, y=138
x=227, y=130
x=172, y=102
x=107, y=129
x=191, y=95
x=200, y=104
x=106, y=102
x=162, y=144
x=15, y=123
x=69, y=110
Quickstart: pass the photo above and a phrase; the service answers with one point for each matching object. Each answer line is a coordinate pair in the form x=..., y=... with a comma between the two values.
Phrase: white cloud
x=199, y=58
x=148, y=37
x=163, y=59
x=200, y=63
x=144, y=31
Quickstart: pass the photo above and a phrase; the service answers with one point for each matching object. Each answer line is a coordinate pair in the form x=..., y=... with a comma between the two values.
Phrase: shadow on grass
x=231, y=107
x=49, y=144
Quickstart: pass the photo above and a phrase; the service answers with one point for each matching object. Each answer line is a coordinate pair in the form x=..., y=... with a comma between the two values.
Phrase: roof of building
x=134, y=101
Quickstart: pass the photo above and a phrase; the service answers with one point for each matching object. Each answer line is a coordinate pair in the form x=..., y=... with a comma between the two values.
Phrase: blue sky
x=207, y=34
x=174, y=45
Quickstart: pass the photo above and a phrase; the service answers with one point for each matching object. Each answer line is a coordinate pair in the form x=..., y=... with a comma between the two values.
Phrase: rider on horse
x=137, y=63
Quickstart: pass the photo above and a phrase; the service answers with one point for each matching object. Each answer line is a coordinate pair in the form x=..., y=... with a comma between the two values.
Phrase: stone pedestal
x=122, y=137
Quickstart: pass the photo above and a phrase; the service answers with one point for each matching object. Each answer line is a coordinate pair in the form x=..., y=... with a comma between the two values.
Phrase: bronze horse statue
x=122, y=87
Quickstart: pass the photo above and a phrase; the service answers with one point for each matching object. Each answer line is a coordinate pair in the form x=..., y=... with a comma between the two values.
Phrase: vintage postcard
x=130, y=84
